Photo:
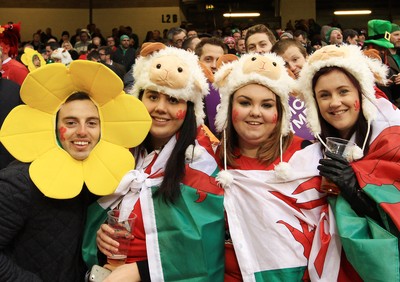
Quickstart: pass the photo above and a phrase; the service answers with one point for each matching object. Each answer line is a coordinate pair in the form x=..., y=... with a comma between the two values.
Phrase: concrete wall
x=141, y=19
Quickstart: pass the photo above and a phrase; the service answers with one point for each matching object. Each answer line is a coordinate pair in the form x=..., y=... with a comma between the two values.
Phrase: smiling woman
x=264, y=169
x=342, y=100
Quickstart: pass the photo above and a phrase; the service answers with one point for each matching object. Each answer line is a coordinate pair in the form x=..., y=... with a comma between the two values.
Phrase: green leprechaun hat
x=379, y=33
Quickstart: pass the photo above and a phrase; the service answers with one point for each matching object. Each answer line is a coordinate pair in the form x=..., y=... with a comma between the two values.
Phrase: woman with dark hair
x=172, y=189
x=342, y=100
x=271, y=182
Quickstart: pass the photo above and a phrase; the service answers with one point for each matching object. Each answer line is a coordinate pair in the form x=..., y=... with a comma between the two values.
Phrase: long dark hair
x=360, y=128
x=174, y=170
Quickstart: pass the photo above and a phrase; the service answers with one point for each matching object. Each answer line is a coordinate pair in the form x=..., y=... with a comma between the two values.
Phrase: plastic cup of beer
x=340, y=147
x=123, y=235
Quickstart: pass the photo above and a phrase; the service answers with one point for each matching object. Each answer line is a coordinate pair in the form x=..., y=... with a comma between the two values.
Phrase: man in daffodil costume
x=71, y=140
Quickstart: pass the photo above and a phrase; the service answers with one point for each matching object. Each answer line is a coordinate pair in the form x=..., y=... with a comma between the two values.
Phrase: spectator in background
x=302, y=37
x=209, y=50
x=240, y=47
x=259, y=39
x=176, y=36
x=350, y=36
x=361, y=37
x=84, y=40
x=11, y=68
x=125, y=54
x=191, y=33
x=236, y=34
x=9, y=98
x=231, y=44
x=64, y=37
x=190, y=43
x=378, y=40
x=111, y=43
x=105, y=57
x=36, y=43
x=334, y=36
x=157, y=36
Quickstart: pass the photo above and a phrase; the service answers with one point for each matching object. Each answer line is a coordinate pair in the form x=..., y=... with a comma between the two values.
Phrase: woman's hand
x=127, y=272
x=105, y=243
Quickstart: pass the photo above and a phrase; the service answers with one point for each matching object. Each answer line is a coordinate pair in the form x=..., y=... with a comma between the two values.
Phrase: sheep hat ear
x=266, y=69
x=366, y=71
x=171, y=71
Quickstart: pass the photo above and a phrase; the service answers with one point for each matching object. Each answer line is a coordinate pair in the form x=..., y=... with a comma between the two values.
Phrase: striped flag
x=368, y=244
x=273, y=223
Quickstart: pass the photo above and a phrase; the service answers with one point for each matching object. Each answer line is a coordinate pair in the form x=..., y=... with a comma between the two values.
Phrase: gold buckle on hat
x=387, y=36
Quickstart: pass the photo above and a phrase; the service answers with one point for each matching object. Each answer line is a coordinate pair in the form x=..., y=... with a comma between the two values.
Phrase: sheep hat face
x=267, y=70
x=171, y=71
x=366, y=70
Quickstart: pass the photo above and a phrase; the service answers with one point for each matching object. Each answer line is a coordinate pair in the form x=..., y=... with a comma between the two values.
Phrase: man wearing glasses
x=176, y=36
x=105, y=58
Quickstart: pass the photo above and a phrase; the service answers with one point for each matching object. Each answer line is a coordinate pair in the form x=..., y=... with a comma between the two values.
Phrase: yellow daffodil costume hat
x=29, y=131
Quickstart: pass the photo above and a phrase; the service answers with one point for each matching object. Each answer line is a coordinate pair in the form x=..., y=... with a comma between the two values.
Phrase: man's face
x=125, y=43
x=395, y=39
x=110, y=41
x=301, y=39
x=84, y=37
x=336, y=37
x=49, y=51
x=78, y=128
x=178, y=39
x=209, y=56
x=241, y=46
x=259, y=43
x=192, y=33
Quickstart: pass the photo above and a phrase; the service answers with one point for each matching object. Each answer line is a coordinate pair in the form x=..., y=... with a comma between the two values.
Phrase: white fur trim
x=283, y=170
x=348, y=57
x=192, y=153
x=356, y=153
x=224, y=178
x=267, y=69
x=195, y=88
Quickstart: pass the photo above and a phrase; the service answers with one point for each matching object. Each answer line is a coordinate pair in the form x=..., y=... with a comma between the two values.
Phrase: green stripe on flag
x=367, y=245
x=96, y=216
x=385, y=193
x=278, y=275
x=191, y=236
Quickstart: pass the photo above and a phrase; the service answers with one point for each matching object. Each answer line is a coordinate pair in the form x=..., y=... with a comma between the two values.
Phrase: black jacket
x=40, y=237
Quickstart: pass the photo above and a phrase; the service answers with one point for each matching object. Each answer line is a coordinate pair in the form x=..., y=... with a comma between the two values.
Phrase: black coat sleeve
x=14, y=208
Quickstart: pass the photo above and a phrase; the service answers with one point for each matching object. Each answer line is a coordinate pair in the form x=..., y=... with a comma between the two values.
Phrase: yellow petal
x=47, y=87
x=125, y=122
x=57, y=174
x=99, y=81
x=105, y=167
x=28, y=133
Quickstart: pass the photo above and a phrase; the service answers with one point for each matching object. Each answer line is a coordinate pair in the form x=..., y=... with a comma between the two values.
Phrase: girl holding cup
x=338, y=86
x=179, y=229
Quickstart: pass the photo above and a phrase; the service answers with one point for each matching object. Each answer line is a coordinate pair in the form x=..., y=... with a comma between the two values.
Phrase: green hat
x=379, y=33
x=395, y=27
x=124, y=36
x=328, y=34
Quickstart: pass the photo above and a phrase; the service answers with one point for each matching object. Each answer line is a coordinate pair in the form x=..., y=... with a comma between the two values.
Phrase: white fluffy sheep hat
x=171, y=71
x=263, y=69
x=366, y=70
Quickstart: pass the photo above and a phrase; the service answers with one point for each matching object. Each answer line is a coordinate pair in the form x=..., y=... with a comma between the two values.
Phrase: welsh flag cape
x=372, y=248
x=280, y=229
x=184, y=240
